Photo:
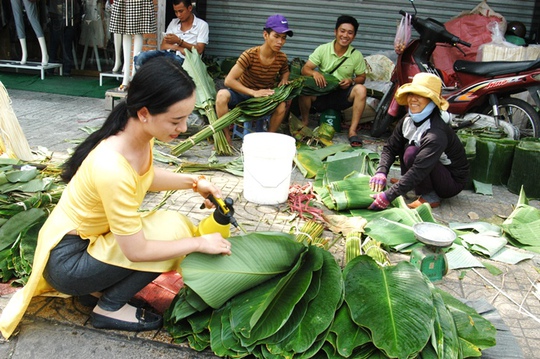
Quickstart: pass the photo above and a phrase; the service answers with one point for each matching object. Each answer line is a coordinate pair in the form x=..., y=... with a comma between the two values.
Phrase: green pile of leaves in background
x=310, y=308
x=26, y=196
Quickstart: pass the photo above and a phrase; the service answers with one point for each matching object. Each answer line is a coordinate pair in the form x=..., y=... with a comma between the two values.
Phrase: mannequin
x=130, y=19
x=117, y=53
x=64, y=18
x=31, y=12
x=92, y=31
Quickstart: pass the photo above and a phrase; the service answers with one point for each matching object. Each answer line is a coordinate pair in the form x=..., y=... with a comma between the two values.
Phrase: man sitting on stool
x=257, y=72
x=341, y=59
x=185, y=32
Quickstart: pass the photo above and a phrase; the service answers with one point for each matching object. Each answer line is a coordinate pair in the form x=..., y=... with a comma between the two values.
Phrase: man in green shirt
x=340, y=59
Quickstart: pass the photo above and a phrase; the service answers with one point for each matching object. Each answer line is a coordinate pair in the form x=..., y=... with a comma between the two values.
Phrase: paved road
x=56, y=328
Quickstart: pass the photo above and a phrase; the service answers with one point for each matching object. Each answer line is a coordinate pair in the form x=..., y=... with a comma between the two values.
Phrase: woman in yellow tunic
x=96, y=240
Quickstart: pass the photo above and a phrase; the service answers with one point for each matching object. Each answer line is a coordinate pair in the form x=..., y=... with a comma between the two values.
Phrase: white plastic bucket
x=268, y=160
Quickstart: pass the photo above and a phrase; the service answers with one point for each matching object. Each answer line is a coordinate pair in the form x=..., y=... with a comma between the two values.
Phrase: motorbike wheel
x=520, y=114
x=382, y=119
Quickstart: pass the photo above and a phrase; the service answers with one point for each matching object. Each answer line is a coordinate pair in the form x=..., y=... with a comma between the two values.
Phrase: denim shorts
x=236, y=98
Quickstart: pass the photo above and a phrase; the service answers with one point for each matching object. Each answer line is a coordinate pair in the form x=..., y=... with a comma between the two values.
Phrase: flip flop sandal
x=355, y=141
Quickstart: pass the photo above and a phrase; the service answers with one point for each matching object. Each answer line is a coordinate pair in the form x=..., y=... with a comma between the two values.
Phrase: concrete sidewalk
x=56, y=327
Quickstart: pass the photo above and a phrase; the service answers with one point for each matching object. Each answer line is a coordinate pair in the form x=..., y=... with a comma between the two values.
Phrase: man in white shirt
x=186, y=31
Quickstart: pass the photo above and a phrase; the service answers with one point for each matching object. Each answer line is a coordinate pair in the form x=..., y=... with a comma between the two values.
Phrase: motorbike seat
x=494, y=68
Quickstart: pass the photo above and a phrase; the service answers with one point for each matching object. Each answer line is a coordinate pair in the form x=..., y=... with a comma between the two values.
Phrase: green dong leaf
x=380, y=299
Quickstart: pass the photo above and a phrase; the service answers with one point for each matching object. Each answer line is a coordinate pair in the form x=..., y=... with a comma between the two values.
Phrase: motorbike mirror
x=414, y=7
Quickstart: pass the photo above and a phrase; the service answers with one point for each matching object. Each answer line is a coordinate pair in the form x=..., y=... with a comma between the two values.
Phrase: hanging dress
x=131, y=17
x=92, y=31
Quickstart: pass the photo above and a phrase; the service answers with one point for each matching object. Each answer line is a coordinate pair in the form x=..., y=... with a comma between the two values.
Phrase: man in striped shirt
x=257, y=72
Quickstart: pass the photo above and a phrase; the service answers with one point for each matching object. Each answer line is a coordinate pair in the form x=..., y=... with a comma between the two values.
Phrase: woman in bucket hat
x=432, y=158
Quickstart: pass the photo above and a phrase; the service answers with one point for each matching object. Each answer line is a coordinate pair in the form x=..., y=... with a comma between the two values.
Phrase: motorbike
x=484, y=89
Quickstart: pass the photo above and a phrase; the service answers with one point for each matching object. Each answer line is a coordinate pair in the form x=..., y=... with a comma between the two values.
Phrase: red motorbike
x=482, y=87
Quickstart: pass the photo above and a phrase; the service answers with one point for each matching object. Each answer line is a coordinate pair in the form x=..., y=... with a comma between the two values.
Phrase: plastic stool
x=242, y=129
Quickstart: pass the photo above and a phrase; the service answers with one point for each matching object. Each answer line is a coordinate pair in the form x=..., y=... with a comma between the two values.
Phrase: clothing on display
x=31, y=10
x=92, y=27
x=130, y=17
x=33, y=17
x=65, y=18
x=133, y=17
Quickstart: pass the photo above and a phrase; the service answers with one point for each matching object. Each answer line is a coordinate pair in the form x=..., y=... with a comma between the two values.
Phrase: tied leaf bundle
x=370, y=247
x=310, y=87
x=205, y=96
x=311, y=234
x=247, y=110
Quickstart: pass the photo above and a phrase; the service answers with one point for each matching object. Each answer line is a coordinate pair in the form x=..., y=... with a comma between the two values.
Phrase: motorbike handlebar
x=437, y=27
x=464, y=43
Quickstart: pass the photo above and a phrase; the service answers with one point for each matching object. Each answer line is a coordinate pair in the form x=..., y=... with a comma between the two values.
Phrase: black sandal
x=146, y=321
x=355, y=141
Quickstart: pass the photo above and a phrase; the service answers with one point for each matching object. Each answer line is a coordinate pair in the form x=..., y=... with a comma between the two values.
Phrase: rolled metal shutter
x=237, y=25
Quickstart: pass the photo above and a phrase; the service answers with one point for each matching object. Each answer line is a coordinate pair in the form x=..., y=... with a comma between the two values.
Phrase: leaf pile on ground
x=279, y=298
x=27, y=195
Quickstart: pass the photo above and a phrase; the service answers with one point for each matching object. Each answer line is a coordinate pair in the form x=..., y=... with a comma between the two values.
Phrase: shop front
x=75, y=33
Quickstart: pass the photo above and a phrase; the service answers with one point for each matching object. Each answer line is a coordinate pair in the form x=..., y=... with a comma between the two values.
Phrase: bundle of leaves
x=523, y=225
x=342, y=181
x=310, y=308
x=310, y=87
x=26, y=197
x=205, y=95
x=248, y=110
x=309, y=160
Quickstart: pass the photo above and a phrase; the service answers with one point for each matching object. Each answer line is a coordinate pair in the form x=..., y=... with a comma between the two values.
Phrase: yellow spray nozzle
x=218, y=202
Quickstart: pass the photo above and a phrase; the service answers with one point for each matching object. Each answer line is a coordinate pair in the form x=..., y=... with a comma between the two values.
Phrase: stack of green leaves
x=313, y=309
x=395, y=312
x=310, y=87
x=25, y=199
x=18, y=240
x=343, y=179
x=393, y=227
x=309, y=160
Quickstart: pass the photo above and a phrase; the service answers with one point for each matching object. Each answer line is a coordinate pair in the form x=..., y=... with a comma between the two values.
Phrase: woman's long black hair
x=158, y=84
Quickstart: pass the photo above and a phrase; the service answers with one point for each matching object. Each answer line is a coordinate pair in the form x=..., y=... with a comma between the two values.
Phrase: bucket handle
x=262, y=185
x=266, y=186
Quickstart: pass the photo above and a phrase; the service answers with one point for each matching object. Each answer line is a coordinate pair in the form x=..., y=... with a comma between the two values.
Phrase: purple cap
x=279, y=24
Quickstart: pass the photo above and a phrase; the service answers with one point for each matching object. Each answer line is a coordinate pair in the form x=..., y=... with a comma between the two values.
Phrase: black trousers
x=71, y=270
x=61, y=37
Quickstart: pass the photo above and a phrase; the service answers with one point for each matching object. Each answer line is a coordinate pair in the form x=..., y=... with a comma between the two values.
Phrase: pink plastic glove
x=377, y=182
x=380, y=202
